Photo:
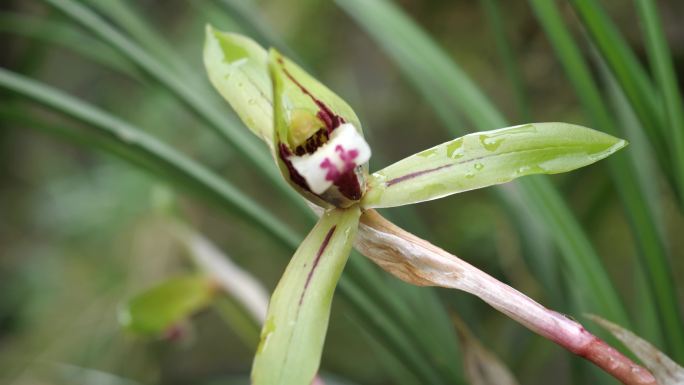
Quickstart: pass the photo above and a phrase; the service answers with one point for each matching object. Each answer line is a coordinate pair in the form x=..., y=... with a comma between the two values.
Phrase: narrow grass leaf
x=297, y=320
x=157, y=309
x=251, y=20
x=628, y=72
x=492, y=10
x=65, y=35
x=194, y=176
x=487, y=158
x=653, y=256
x=128, y=18
x=197, y=102
x=668, y=87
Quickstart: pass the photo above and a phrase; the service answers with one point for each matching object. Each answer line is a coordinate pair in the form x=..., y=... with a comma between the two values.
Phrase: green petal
x=238, y=69
x=488, y=158
x=302, y=104
x=157, y=309
x=297, y=320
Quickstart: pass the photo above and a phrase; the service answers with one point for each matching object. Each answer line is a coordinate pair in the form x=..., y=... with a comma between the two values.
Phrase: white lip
x=345, y=150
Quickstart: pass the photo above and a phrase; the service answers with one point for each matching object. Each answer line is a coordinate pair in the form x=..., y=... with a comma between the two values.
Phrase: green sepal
x=238, y=68
x=297, y=320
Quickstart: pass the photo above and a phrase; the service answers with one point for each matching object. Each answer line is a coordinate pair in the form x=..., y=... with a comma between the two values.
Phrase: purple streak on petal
x=415, y=174
x=321, y=249
x=331, y=120
x=284, y=153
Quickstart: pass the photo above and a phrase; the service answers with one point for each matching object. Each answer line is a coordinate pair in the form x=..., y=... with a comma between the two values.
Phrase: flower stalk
x=418, y=262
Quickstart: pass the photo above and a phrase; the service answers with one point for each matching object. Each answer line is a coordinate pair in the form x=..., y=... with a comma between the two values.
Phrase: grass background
x=80, y=230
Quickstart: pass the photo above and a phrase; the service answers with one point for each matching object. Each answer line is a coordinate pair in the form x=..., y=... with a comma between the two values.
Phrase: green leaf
x=297, y=319
x=168, y=161
x=238, y=69
x=488, y=158
x=157, y=309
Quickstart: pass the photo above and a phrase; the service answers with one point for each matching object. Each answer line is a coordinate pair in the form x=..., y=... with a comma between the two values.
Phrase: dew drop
x=491, y=142
x=479, y=166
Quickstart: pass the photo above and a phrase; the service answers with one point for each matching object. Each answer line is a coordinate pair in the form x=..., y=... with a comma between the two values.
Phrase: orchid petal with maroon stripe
x=293, y=335
x=487, y=158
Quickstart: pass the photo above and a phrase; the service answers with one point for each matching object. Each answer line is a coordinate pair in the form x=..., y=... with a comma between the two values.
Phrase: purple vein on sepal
x=331, y=119
x=415, y=174
x=321, y=249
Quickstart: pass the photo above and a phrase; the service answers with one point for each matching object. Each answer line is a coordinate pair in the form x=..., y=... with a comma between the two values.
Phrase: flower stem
x=418, y=262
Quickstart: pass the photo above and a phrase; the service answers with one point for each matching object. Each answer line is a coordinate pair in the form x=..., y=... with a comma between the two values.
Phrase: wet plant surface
x=110, y=262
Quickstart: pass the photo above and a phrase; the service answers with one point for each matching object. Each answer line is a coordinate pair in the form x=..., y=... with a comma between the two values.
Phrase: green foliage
x=487, y=158
x=410, y=326
x=450, y=90
x=157, y=309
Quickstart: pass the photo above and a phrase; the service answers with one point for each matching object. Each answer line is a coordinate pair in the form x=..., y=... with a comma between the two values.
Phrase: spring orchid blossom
x=317, y=141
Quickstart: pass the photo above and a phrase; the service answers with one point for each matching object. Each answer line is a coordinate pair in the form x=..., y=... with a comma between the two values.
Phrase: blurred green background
x=82, y=231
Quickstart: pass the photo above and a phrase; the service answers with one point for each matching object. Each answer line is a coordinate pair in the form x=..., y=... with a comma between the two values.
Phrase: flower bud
x=319, y=143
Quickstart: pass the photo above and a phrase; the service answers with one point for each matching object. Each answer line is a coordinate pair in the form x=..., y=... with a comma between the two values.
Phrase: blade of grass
x=120, y=13
x=666, y=79
x=213, y=186
x=492, y=10
x=644, y=161
x=382, y=326
x=62, y=34
x=633, y=194
x=446, y=86
x=249, y=19
x=225, y=125
x=628, y=72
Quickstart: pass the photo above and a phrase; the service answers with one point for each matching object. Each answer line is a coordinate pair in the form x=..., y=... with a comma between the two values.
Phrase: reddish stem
x=419, y=262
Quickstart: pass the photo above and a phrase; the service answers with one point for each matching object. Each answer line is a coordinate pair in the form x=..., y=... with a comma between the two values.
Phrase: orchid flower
x=317, y=142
